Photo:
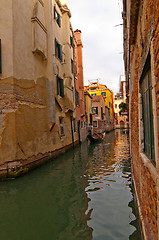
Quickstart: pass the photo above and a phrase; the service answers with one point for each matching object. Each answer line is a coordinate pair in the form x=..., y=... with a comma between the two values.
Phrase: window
x=0, y=58
x=60, y=86
x=95, y=110
x=102, y=116
x=90, y=115
x=61, y=122
x=147, y=111
x=57, y=17
x=72, y=66
x=103, y=94
x=71, y=42
x=74, y=124
x=95, y=124
x=93, y=94
x=77, y=99
x=58, y=50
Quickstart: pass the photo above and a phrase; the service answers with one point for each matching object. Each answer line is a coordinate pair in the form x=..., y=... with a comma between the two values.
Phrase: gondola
x=95, y=138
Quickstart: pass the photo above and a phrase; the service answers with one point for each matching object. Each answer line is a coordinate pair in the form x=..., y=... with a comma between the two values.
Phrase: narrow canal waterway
x=83, y=194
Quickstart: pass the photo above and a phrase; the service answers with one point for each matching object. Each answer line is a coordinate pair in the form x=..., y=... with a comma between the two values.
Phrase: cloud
x=102, y=41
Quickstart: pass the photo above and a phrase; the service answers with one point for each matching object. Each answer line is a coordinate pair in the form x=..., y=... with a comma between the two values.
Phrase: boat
x=95, y=138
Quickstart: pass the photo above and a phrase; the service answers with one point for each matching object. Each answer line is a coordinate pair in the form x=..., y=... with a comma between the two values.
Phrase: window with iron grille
x=147, y=112
x=58, y=50
x=60, y=86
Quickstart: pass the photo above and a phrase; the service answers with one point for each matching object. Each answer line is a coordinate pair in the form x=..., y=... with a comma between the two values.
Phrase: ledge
x=148, y=164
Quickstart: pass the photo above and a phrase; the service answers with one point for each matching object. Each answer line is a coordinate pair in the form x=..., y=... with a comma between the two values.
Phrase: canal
x=84, y=194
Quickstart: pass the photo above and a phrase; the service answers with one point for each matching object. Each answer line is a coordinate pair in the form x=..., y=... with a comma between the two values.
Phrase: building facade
x=141, y=56
x=37, y=109
x=79, y=87
x=121, y=117
x=96, y=89
x=98, y=111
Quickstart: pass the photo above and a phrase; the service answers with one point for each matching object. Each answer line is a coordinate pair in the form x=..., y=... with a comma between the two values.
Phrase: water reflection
x=109, y=178
x=49, y=203
x=84, y=194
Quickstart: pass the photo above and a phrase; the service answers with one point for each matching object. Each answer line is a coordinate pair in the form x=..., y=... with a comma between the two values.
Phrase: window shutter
x=57, y=82
x=61, y=88
x=55, y=47
x=77, y=99
x=102, y=112
x=60, y=52
x=54, y=12
x=58, y=47
x=148, y=116
x=0, y=58
x=151, y=119
x=59, y=20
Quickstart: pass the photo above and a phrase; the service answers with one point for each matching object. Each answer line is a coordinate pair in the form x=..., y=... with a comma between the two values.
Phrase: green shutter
x=148, y=116
x=60, y=52
x=77, y=98
x=56, y=48
x=151, y=119
x=0, y=58
x=57, y=83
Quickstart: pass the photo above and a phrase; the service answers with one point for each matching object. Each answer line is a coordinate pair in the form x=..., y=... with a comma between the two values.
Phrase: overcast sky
x=102, y=41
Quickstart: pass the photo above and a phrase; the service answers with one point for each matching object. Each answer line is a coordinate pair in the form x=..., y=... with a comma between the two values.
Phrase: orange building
x=79, y=88
x=99, y=117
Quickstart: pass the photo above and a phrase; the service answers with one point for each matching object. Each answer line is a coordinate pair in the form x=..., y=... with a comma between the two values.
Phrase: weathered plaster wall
x=6, y=35
x=29, y=118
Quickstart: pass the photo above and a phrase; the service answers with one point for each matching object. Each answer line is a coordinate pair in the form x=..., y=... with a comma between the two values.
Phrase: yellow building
x=37, y=110
x=95, y=89
x=121, y=119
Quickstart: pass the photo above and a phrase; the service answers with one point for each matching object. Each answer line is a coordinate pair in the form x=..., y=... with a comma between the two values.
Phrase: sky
x=102, y=39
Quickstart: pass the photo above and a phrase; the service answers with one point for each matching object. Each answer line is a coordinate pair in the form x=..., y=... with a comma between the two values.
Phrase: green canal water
x=83, y=194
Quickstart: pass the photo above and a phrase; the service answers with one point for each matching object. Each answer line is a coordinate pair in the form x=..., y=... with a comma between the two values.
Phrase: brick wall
x=145, y=39
x=148, y=203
